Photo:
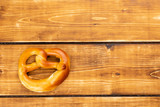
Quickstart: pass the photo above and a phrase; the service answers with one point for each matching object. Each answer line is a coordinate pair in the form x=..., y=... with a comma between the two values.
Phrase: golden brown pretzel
x=47, y=84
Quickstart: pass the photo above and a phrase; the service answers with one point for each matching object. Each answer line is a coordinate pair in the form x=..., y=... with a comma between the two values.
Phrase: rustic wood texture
x=82, y=102
x=122, y=69
x=79, y=20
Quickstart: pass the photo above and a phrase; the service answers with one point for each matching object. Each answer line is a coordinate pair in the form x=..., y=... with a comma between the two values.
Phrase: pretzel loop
x=54, y=79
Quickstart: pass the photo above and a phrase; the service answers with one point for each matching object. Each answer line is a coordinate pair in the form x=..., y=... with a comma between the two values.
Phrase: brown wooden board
x=120, y=69
x=82, y=102
x=79, y=20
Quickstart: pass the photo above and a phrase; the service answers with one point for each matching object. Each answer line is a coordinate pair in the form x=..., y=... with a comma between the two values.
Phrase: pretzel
x=55, y=79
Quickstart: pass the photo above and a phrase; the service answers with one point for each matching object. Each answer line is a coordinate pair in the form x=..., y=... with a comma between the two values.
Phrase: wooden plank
x=82, y=102
x=124, y=69
x=79, y=20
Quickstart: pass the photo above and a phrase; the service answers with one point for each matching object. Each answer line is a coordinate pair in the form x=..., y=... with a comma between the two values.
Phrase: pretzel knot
x=55, y=79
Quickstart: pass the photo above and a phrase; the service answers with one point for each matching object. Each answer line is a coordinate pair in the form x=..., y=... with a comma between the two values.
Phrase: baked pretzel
x=55, y=79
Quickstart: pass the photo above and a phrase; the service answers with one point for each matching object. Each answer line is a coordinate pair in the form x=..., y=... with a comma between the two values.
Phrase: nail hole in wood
x=109, y=46
x=0, y=71
x=117, y=73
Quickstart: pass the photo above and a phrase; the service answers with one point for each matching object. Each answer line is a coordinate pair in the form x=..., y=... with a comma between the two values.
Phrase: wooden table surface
x=114, y=47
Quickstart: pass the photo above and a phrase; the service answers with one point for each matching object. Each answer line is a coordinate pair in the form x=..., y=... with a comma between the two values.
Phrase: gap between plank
x=31, y=43
x=28, y=96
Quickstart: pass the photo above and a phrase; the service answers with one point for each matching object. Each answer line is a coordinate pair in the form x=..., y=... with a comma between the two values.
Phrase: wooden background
x=114, y=47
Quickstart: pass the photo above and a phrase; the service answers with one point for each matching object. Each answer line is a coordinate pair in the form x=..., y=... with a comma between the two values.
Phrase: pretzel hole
x=53, y=59
x=31, y=59
x=40, y=73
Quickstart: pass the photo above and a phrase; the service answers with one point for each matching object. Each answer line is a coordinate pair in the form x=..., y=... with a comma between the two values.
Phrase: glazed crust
x=55, y=79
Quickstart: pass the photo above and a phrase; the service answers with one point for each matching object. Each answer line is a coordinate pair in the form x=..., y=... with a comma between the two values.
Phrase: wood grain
x=79, y=20
x=82, y=102
x=122, y=69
